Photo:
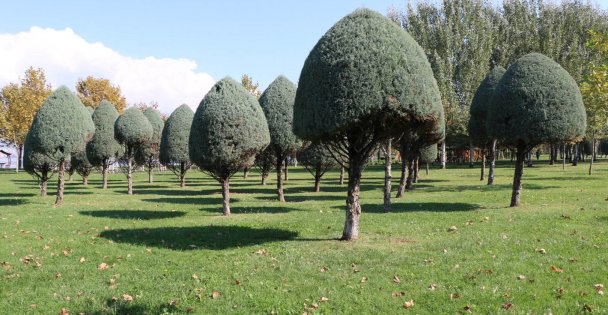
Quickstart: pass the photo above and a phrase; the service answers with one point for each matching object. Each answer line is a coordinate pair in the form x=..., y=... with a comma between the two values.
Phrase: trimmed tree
x=80, y=163
x=536, y=101
x=132, y=130
x=478, y=116
x=228, y=130
x=317, y=160
x=61, y=128
x=364, y=82
x=37, y=164
x=103, y=149
x=265, y=161
x=147, y=153
x=428, y=155
x=174, y=152
x=277, y=103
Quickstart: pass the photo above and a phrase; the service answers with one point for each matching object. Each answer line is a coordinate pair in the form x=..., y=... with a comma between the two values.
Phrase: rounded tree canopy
x=61, y=126
x=277, y=103
x=35, y=161
x=80, y=163
x=428, y=154
x=480, y=103
x=132, y=128
x=103, y=146
x=536, y=101
x=315, y=154
x=175, y=136
x=228, y=129
x=157, y=124
x=366, y=69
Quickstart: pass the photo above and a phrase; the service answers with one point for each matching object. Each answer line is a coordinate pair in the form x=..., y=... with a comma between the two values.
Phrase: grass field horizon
x=169, y=250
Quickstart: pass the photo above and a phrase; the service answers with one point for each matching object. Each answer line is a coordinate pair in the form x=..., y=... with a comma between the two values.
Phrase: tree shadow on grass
x=418, y=207
x=199, y=237
x=16, y=195
x=302, y=198
x=133, y=214
x=121, y=307
x=190, y=200
x=12, y=202
x=250, y=210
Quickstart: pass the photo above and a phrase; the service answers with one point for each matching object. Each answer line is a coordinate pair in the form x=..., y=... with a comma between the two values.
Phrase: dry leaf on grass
x=82, y=260
x=555, y=269
x=521, y=277
x=599, y=288
x=127, y=298
x=323, y=299
x=194, y=276
x=215, y=295
x=64, y=311
x=408, y=304
x=398, y=294
x=396, y=279
x=324, y=269
x=103, y=266
x=363, y=279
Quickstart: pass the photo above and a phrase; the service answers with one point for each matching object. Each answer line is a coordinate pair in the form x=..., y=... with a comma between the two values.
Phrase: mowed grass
x=170, y=249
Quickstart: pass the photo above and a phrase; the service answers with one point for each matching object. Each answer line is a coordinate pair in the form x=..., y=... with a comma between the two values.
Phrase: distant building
x=6, y=158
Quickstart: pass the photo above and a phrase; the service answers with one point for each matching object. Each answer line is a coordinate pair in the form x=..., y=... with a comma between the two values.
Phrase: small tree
x=147, y=153
x=80, y=163
x=477, y=120
x=536, y=101
x=228, y=130
x=132, y=130
x=39, y=165
x=103, y=149
x=317, y=161
x=365, y=81
x=265, y=161
x=428, y=155
x=61, y=128
x=174, y=152
x=277, y=103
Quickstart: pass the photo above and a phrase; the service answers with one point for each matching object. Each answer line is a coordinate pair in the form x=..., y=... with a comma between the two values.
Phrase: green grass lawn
x=171, y=251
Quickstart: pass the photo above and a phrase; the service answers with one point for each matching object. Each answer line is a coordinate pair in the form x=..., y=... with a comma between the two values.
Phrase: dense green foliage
x=37, y=164
x=80, y=163
x=352, y=78
x=132, y=128
x=175, y=136
x=103, y=146
x=228, y=129
x=277, y=103
x=147, y=153
x=428, y=154
x=265, y=161
x=479, y=106
x=536, y=101
x=316, y=155
x=61, y=126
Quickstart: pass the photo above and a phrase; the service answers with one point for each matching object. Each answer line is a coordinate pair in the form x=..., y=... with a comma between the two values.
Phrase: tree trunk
x=575, y=155
x=551, y=154
x=388, y=164
x=483, y=165
x=70, y=176
x=19, y=158
x=530, y=162
x=182, y=174
x=60, y=183
x=129, y=174
x=279, y=167
x=85, y=180
x=443, y=155
x=43, y=186
x=563, y=156
x=427, y=168
x=104, y=175
x=318, y=179
x=264, y=179
x=226, y=195
x=471, y=155
x=410, y=174
x=416, y=176
x=519, y=171
x=492, y=162
x=401, y=189
x=341, y=175
x=246, y=172
x=150, y=167
x=592, y=155
x=286, y=170
x=353, y=207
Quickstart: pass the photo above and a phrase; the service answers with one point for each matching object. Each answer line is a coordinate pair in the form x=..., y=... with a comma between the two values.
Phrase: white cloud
x=66, y=57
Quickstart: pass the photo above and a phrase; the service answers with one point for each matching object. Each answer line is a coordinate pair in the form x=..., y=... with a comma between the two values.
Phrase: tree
x=18, y=106
x=174, y=152
x=536, y=101
x=477, y=119
x=147, y=153
x=253, y=88
x=132, y=130
x=38, y=164
x=428, y=155
x=265, y=161
x=317, y=161
x=365, y=81
x=228, y=130
x=277, y=103
x=92, y=91
x=61, y=128
x=81, y=165
x=103, y=149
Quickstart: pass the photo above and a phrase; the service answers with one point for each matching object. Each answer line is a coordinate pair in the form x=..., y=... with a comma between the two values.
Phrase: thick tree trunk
x=279, y=167
x=104, y=175
x=401, y=189
x=519, y=171
x=43, y=186
x=182, y=174
x=286, y=170
x=388, y=176
x=85, y=180
x=353, y=207
x=575, y=155
x=129, y=174
x=341, y=181
x=226, y=195
x=552, y=154
x=246, y=172
x=492, y=162
x=410, y=174
x=318, y=179
x=60, y=183
x=592, y=155
x=471, y=155
x=443, y=155
x=483, y=166
x=19, y=158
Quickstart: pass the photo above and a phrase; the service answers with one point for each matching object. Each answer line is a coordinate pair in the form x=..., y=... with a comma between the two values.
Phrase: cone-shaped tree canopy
x=480, y=103
x=61, y=126
x=277, y=103
x=103, y=146
x=34, y=161
x=151, y=147
x=175, y=136
x=228, y=129
x=132, y=128
x=428, y=154
x=366, y=69
x=536, y=101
